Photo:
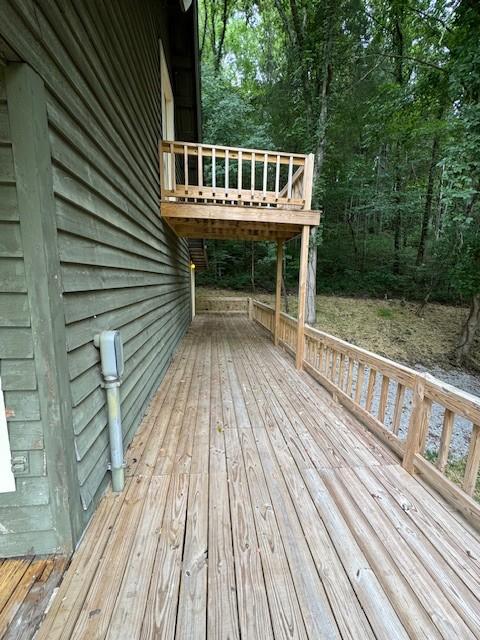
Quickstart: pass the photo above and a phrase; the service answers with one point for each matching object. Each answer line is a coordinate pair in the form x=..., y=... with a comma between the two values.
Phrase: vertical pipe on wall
x=115, y=435
x=192, y=287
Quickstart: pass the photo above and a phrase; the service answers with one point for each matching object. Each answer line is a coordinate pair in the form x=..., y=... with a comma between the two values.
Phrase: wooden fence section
x=353, y=375
x=221, y=304
x=202, y=173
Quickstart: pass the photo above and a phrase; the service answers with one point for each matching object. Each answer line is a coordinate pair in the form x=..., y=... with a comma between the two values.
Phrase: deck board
x=26, y=586
x=257, y=507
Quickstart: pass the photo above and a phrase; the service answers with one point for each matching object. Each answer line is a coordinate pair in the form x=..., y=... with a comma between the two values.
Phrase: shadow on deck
x=257, y=507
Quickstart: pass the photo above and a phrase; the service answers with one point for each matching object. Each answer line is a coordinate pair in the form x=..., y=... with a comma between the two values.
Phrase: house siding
x=121, y=266
x=25, y=515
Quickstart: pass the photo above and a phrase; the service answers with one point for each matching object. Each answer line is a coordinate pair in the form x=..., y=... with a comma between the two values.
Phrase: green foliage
x=385, y=312
x=399, y=186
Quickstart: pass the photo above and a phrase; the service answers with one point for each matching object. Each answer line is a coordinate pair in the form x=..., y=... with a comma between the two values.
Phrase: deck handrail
x=352, y=373
x=216, y=174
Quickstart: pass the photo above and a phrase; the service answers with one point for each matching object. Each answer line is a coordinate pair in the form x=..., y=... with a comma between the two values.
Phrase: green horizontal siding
x=121, y=267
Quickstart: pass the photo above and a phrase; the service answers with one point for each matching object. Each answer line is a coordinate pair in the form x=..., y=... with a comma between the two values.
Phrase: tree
x=386, y=96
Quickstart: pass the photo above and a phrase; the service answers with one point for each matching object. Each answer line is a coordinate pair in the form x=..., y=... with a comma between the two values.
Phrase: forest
x=386, y=95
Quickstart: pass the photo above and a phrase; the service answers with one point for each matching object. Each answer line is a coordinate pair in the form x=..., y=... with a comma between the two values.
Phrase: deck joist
x=256, y=507
x=217, y=221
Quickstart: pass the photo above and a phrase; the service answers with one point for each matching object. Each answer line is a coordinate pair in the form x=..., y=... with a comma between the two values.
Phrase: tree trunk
x=285, y=297
x=311, y=311
x=427, y=212
x=219, y=51
x=469, y=330
x=398, y=45
x=397, y=240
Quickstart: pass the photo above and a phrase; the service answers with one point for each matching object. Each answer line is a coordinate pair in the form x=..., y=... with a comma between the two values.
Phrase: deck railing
x=394, y=401
x=206, y=174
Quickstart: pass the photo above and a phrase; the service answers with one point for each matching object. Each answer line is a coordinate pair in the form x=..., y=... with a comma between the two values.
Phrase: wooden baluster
x=252, y=178
x=447, y=430
x=333, y=369
x=397, y=412
x=382, y=405
x=359, y=385
x=290, y=174
x=277, y=177
x=200, y=166
x=340, y=370
x=214, y=169
x=320, y=356
x=185, y=164
x=240, y=183
x=265, y=174
x=415, y=436
x=350, y=376
x=370, y=389
x=226, y=170
x=328, y=361
x=427, y=412
x=172, y=167
x=473, y=462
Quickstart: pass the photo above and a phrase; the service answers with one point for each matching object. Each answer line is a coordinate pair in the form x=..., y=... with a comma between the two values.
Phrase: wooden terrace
x=257, y=506
x=210, y=191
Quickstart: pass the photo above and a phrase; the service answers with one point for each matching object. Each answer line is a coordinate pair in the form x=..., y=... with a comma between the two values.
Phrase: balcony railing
x=208, y=174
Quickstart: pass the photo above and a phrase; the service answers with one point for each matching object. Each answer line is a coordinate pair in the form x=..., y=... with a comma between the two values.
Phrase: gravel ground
x=462, y=428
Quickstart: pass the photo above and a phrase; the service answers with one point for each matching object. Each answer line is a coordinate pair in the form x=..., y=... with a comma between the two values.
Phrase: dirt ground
x=388, y=327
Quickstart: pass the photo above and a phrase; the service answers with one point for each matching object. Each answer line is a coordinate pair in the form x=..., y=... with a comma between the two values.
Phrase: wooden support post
x=302, y=295
x=417, y=425
x=278, y=292
x=192, y=287
x=308, y=181
x=250, y=309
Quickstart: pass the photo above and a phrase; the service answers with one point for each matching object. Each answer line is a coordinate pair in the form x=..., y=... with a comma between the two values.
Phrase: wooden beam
x=302, y=290
x=278, y=292
x=209, y=234
x=242, y=214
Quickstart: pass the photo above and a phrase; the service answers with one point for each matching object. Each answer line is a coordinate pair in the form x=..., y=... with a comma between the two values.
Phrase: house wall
x=25, y=515
x=120, y=266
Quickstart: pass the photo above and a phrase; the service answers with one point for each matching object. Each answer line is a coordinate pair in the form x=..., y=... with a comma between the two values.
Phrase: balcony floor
x=256, y=507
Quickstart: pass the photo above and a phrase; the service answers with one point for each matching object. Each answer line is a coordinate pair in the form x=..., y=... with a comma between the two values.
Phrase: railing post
x=250, y=309
x=302, y=290
x=417, y=425
x=308, y=181
x=278, y=292
x=473, y=462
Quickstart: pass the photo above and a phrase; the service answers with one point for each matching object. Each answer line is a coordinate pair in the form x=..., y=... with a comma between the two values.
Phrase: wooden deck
x=256, y=507
x=26, y=586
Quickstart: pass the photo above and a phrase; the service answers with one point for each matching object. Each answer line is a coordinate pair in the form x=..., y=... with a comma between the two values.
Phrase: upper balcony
x=211, y=191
